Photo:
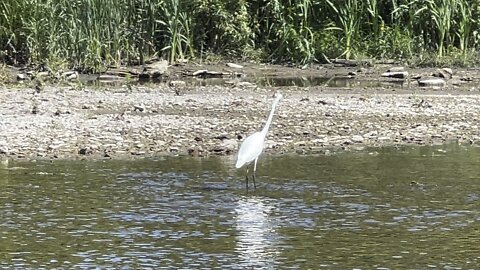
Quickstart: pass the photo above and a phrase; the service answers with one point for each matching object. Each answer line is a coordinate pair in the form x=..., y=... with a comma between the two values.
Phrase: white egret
x=252, y=146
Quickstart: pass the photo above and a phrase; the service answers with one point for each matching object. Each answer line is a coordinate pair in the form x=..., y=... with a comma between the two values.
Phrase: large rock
x=233, y=65
x=446, y=73
x=431, y=82
x=396, y=74
x=209, y=74
x=154, y=70
x=69, y=75
x=396, y=69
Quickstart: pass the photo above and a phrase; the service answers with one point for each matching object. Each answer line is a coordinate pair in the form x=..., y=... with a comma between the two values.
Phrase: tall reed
x=291, y=30
x=91, y=35
x=442, y=14
x=464, y=30
x=376, y=20
x=349, y=16
x=176, y=30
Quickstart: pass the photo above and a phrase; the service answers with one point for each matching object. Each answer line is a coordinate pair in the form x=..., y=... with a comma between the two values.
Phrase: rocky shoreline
x=126, y=122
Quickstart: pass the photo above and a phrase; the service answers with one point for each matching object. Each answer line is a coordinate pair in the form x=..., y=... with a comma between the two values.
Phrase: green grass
x=91, y=35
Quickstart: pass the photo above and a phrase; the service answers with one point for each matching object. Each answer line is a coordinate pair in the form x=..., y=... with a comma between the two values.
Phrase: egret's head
x=278, y=96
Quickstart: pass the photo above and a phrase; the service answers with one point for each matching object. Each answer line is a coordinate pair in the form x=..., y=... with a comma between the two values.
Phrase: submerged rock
x=109, y=77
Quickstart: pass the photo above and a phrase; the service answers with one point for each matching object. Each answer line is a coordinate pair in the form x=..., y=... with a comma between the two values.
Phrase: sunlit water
x=415, y=208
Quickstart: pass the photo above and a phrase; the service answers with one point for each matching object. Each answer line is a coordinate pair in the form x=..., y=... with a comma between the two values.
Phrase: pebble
x=3, y=147
x=21, y=77
x=177, y=83
x=357, y=139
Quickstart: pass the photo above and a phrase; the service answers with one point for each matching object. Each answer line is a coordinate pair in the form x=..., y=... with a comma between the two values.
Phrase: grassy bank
x=91, y=34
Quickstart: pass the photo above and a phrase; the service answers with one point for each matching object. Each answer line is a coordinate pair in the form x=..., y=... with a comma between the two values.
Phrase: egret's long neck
x=270, y=117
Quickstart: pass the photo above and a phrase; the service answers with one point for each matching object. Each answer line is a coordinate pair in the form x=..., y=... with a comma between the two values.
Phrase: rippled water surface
x=416, y=208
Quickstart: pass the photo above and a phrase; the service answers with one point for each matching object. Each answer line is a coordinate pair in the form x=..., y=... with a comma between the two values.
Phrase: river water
x=381, y=208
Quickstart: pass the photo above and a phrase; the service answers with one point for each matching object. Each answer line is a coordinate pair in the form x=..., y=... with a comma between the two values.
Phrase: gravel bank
x=147, y=121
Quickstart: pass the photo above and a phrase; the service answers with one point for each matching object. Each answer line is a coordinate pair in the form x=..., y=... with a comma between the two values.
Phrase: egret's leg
x=254, y=170
x=246, y=178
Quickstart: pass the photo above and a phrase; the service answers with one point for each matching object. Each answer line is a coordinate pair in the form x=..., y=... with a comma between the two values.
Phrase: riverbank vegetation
x=90, y=35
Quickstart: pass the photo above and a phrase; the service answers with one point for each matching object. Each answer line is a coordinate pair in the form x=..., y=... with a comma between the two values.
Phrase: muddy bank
x=61, y=122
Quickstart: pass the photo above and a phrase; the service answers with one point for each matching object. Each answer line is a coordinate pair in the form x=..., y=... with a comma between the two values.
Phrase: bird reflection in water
x=257, y=239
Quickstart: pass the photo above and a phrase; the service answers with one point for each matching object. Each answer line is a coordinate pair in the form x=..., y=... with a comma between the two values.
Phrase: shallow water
x=413, y=207
x=342, y=82
x=338, y=82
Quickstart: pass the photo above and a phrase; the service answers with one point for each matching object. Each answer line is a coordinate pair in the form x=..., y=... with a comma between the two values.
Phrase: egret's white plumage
x=252, y=146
